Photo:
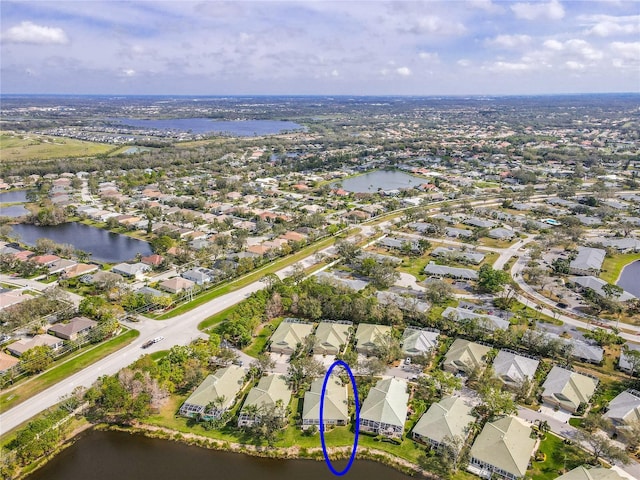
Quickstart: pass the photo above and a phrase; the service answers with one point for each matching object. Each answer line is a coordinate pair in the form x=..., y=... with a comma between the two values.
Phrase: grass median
x=35, y=385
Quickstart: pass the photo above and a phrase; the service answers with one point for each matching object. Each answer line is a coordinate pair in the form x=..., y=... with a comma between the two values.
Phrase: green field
x=68, y=367
x=559, y=458
x=612, y=266
x=28, y=147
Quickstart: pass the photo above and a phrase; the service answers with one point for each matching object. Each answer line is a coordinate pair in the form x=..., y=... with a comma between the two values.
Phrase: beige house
x=447, y=419
x=272, y=392
x=592, y=473
x=21, y=346
x=336, y=406
x=567, y=390
x=216, y=394
x=384, y=411
x=288, y=335
x=368, y=335
x=331, y=337
x=465, y=356
x=73, y=328
x=7, y=362
x=176, y=285
x=503, y=449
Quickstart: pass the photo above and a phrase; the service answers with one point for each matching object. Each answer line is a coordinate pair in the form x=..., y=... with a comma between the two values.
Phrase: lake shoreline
x=195, y=440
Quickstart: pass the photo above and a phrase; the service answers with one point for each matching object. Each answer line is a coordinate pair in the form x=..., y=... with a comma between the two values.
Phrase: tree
x=601, y=447
x=387, y=347
x=438, y=292
x=36, y=359
x=372, y=367
x=495, y=403
x=491, y=280
x=263, y=363
x=302, y=371
x=347, y=250
x=633, y=358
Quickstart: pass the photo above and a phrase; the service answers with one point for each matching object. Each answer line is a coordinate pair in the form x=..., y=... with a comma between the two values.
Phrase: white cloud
x=432, y=24
x=429, y=56
x=573, y=65
x=127, y=72
x=29, y=32
x=486, y=5
x=627, y=50
x=583, y=48
x=403, y=71
x=510, y=67
x=508, y=41
x=535, y=11
x=335, y=73
x=463, y=62
x=609, y=25
x=553, y=45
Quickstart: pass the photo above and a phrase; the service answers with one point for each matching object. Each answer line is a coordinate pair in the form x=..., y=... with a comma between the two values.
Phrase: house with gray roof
x=336, y=405
x=487, y=322
x=567, y=390
x=457, y=232
x=405, y=303
x=588, y=220
x=587, y=472
x=512, y=369
x=271, y=393
x=501, y=234
x=199, y=275
x=624, y=409
x=623, y=362
x=588, y=261
x=384, y=411
x=458, y=255
x=453, y=272
x=503, y=449
x=419, y=341
x=622, y=245
x=593, y=283
x=331, y=337
x=216, y=394
x=479, y=222
x=464, y=356
x=355, y=284
x=288, y=335
x=447, y=419
x=132, y=270
x=368, y=335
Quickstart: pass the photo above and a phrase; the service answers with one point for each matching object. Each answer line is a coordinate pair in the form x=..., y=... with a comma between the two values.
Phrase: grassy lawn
x=559, y=458
x=33, y=147
x=68, y=367
x=249, y=278
x=528, y=312
x=215, y=319
x=612, y=266
x=258, y=343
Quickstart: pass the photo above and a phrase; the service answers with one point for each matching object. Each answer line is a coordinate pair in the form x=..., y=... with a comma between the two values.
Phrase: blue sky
x=320, y=47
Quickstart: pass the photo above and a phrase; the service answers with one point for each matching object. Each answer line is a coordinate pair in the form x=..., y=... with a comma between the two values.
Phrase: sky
x=474, y=47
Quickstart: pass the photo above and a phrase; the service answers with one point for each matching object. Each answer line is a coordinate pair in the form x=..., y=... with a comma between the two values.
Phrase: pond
x=103, y=246
x=381, y=180
x=13, y=211
x=13, y=196
x=108, y=455
x=240, y=128
x=630, y=278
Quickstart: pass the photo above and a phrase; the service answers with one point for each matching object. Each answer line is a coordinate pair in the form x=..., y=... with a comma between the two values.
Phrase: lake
x=240, y=128
x=630, y=278
x=381, y=180
x=13, y=196
x=108, y=455
x=103, y=246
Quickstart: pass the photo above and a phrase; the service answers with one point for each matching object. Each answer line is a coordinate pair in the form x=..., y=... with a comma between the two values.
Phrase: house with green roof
x=567, y=390
x=216, y=394
x=464, y=356
x=447, y=419
x=384, y=411
x=288, y=335
x=331, y=337
x=591, y=473
x=272, y=392
x=503, y=449
x=368, y=335
x=336, y=405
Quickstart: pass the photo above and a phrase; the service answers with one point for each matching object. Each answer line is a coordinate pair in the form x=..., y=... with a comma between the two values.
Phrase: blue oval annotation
x=355, y=438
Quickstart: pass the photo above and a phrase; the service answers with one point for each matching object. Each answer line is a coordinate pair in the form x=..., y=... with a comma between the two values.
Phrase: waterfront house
x=336, y=406
x=216, y=394
x=271, y=393
x=131, y=270
x=384, y=411
x=587, y=262
x=503, y=449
